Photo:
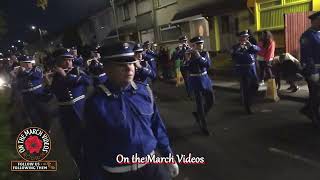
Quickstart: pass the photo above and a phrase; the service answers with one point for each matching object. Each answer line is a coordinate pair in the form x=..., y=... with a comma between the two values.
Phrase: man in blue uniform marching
x=95, y=68
x=243, y=54
x=122, y=119
x=69, y=85
x=150, y=56
x=183, y=47
x=30, y=84
x=143, y=69
x=200, y=84
x=310, y=61
x=77, y=59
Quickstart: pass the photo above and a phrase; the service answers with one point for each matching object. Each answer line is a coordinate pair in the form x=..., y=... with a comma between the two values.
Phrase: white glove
x=173, y=169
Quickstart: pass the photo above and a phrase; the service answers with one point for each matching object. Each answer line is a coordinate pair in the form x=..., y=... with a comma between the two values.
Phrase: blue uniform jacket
x=96, y=70
x=123, y=122
x=30, y=82
x=144, y=73
x=78, y=61
x=198, y=76
x=310, y=51
x=181, y=54
x=70, y=90
x=151, y=56
x=245, y=60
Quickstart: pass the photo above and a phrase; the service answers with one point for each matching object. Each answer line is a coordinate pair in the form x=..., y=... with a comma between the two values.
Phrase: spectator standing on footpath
x=266, y=55
x=177, y=63
x=165, y=63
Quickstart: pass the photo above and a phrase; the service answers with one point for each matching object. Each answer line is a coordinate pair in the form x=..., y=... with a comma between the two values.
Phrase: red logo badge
x=33, y=144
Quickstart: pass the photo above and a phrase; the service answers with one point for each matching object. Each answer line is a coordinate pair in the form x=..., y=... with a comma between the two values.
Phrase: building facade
x=218, y=21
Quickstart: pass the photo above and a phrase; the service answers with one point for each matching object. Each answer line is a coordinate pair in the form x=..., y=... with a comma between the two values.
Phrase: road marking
x=295, y=156
x=266, y=110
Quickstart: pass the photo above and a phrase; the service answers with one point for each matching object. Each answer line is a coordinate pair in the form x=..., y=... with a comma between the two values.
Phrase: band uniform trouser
x=204, y=101
x=72, y=127
x=306, y=108
x=248, y=88
x=37, y=110
x=184, y=74
x=314, y=99
x=150, y=171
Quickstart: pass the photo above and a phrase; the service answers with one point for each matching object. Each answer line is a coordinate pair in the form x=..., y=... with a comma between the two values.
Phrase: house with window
x=123, y=13
x=154, y=21
x=217, y=21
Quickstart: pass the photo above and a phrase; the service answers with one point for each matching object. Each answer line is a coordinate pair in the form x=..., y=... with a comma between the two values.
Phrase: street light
x=40, y=31
x=12, y=46
x=19, y=41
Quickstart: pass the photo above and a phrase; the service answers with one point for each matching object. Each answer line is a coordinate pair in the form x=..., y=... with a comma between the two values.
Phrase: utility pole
x=155, y=21
x=115, y=19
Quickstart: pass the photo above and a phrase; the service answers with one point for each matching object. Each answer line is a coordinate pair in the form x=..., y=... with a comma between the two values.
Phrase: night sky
x=21, y=14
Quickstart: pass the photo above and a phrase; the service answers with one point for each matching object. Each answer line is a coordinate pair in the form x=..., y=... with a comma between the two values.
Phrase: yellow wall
x=316, y=5
x=269, y=16
x=214, y=34
x=217, y=34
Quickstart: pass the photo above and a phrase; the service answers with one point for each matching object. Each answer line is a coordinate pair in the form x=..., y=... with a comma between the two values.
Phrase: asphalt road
x=275, y=143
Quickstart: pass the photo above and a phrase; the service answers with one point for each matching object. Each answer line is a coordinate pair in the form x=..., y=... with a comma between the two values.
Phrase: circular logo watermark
x=33, y=144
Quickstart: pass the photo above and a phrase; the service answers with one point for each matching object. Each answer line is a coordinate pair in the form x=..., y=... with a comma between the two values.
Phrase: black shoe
x=305, y=111
x=249, y=111
x=206, y=132
x=290, y=88
x=195, y=115
x=295, y=89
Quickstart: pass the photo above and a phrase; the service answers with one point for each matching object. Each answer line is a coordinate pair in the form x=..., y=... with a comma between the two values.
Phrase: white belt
x=126, y=168
x=32, y=89
x=100, y=75
x=317, y=65
x=200, y=74
x=72, y=101
x=245, y=64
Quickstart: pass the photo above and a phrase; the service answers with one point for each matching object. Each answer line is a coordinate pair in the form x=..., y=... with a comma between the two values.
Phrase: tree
x=71, y=38
x=43, y=4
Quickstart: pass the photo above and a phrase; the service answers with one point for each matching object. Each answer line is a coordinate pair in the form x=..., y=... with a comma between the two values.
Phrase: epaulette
x=139, y=82
x=105, y=89
x=109, y=93
x=37, y=68
x=148, y=89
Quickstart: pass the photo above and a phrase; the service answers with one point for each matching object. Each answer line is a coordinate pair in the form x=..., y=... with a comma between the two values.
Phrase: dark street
x=196, y=64
x=276, y=142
